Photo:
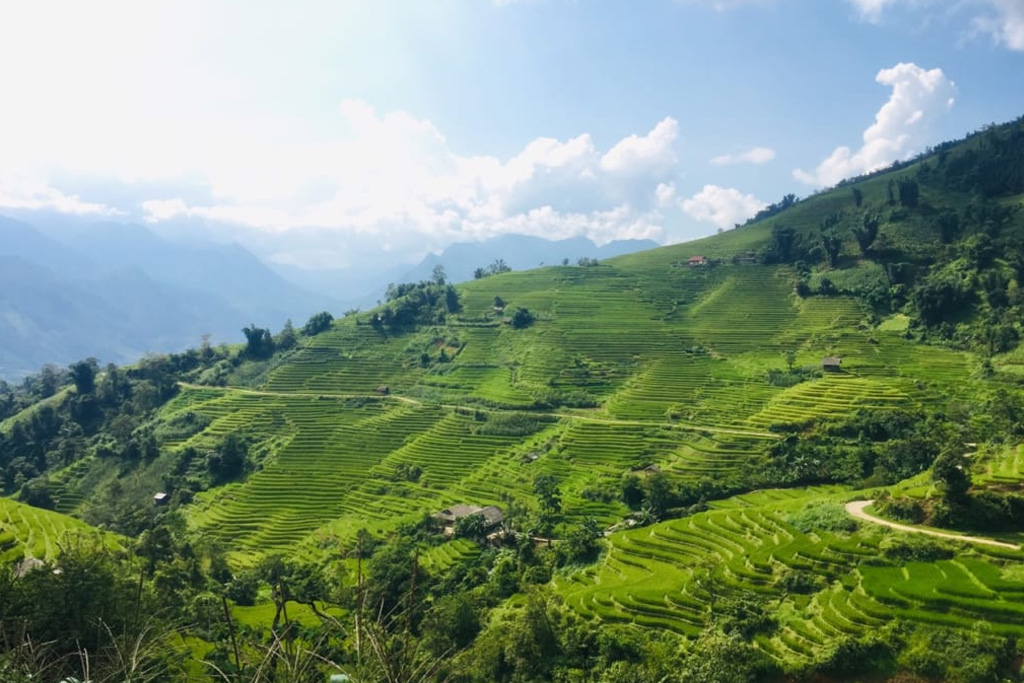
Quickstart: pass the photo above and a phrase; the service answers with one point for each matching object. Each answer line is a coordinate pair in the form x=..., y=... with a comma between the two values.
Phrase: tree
x=858, y=197
x=228, y=462
x=499, y=266
x=783, y=245
x=259, y=343
x=319, y=322
x=479, y=273
x=471, y=526
x=522, y=318
x=499, y=303
x=438, y=276
x=83, y=373
x=659, y=494
x=909, y=192
x=545, y=486
x=286, y=339
x=951, y=471
x=949, y=226
x=833, y=245
x=48, y=381
x=866, y=233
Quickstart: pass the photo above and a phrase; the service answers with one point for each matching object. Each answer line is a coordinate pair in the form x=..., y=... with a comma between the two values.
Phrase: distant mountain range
x=117, y=292
x=71, y=290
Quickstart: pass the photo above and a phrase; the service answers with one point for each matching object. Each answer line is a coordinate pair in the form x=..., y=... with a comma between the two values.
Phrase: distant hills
x=117, y=292
x=70, y=290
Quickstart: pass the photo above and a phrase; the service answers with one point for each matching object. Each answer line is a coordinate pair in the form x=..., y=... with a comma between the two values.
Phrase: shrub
x=823, y=517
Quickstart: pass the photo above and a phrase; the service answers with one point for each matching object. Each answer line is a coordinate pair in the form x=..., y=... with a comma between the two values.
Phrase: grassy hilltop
x=687, y=400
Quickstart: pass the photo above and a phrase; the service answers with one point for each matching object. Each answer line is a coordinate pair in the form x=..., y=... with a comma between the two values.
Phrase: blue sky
x=411, y=125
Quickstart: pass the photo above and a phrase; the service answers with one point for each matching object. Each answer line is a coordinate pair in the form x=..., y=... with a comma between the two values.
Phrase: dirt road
x=856, y=509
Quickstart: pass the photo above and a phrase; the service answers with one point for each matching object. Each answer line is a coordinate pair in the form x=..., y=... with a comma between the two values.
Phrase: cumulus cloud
x=918, y=96
x=755, y=155
x=651, y=152
x=723, y=207
x=394, y=174
x=21, y=191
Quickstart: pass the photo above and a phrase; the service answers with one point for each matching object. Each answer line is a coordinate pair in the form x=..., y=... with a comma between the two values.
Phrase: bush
x=319, y=322
x=915, y=549
x=903, y=509
x=522, y=318
x=823, y=517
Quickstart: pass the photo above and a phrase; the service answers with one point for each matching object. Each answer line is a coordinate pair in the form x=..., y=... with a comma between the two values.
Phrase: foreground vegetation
x=671, y=455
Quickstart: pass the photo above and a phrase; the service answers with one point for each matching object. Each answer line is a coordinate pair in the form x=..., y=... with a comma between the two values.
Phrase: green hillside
x=670, y=422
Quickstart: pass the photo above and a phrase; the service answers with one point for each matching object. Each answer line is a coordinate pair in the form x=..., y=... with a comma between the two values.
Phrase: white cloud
x=723, y=207
x=755, y=155
x=872, y=9
x=394, y=175
x=1005, y=23
x=652, y=151
x=917, y=97
x=665, y=194
x=20, y=191
x=1002, y=20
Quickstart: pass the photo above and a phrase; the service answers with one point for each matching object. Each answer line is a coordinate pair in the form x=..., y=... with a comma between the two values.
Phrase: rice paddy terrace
x=675, y=575
x=636, y=362
x=29, y=532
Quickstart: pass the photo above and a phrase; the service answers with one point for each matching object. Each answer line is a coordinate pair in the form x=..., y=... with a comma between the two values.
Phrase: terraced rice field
x=673, y=359
x=26, y=531
x=672, y=574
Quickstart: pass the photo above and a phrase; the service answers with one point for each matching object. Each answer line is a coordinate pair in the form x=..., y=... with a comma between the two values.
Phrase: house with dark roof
x=447, y=518
x=832, y=364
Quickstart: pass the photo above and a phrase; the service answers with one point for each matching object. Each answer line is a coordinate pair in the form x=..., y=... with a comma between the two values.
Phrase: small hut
x=832, y=364
x=161, y=498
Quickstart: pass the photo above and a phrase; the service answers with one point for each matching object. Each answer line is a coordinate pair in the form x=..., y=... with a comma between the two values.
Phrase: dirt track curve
x=856, y=509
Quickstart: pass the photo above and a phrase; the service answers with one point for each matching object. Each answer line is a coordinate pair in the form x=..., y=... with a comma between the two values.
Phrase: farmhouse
x=161, y=498
x=832, y=364
x=492, y=514
x=697, y=261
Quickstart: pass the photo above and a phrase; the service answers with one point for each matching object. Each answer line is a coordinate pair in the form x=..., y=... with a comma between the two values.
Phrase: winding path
x=856, y=509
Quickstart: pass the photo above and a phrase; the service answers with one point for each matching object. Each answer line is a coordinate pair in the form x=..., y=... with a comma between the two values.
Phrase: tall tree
x=866, y=232
x=833, y=246
x=83, y=374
